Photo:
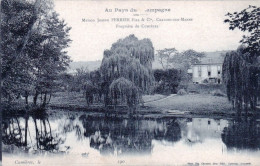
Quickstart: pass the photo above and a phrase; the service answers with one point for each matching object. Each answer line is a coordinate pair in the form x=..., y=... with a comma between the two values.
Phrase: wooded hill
x=93, y=65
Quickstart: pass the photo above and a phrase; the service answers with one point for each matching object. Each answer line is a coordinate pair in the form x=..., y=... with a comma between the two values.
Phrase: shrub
x=167, y=81
x=218, y=93
x=205, y=81
x=181, y=92
x=124, y=91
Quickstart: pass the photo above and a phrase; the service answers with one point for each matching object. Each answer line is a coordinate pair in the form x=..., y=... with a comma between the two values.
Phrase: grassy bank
x=155, y=105
x=204, y=103
x=68, y=99
x=205, y=88
x=194, y=103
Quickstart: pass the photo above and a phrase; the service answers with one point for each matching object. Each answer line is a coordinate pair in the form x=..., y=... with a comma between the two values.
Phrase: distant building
x=209, y=70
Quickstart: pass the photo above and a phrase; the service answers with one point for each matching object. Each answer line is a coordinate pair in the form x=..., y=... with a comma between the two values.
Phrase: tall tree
x=241, y=80
x=241, y=68
x=49, y=60
x=33, y=43
x=128, y=64
x=248, y=21
x=165, y=56
x=18, y=18
x=167, y=81
x=183, y=62
x=185, y=59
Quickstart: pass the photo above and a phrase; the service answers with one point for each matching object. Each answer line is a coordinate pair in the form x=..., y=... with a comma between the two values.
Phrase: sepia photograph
x=130, y=83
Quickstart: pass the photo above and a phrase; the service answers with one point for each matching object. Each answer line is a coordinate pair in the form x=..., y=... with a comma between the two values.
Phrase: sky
x=206, y=32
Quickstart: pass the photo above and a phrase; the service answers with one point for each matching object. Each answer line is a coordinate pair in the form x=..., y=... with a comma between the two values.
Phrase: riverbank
x=187, y=105
x=204, y=104
x=194, y=103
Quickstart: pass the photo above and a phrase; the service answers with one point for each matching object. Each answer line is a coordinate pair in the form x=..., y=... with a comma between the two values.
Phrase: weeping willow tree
x=241, y=80
x=126, y=71
x=123, y=90
x=241, y=68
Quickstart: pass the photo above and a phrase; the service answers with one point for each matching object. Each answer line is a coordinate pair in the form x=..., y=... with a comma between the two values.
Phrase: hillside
x=94, y=65
x=90, y=65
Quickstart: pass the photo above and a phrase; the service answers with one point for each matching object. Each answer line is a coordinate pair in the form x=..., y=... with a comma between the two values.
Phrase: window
x=219, y=81
x=219, y=70
x=199, y=70
x=209, y=71
x=209, y=68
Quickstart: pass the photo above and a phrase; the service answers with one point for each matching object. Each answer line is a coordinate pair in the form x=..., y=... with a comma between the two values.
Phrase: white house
x=209, y=70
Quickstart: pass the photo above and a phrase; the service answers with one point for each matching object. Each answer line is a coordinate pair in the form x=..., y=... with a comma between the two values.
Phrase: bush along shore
x=183, y=104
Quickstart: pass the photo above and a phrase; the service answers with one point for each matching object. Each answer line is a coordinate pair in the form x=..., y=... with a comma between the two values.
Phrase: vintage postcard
x=130, y=83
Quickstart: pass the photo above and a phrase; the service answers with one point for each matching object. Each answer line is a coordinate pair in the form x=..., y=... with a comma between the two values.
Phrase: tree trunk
x=252, y=103
x=87, y=98
x=237, y=106
x=44, y=100
x=233, y=104
x=246, y=106
x=49, y=99
x=19, y=129
x=106, y=100
x=26, y=129
x=36, y=133
x=35, y=98
x=26, y=98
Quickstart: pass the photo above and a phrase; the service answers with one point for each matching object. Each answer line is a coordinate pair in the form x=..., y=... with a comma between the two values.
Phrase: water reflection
x=83, y=133
x=36, y=139
x=12, y=132
x=242, y=134
x=200, y=129
x=128, y=136
x=169, y=130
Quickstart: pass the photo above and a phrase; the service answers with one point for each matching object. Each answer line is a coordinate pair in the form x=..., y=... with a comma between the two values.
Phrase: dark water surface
x=173, y=139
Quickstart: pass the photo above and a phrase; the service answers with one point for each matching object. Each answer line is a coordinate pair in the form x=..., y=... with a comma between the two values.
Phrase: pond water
x=80, y=138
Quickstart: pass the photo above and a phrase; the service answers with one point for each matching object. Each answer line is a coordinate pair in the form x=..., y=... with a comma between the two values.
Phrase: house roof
x=212, y=58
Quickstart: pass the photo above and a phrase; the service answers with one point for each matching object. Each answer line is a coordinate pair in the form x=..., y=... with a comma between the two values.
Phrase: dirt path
x=161, y=99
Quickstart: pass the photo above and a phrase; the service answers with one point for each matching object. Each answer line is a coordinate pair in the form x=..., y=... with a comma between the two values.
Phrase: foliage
x=131, y=59
x=181, y=92
x=241, y=134
x=66, y=81
x=84, y=81
x=33, y=43
x=241, y=68
x=12, y=43
x=240, y=79
x=92, y=87
x=79, y=79
x=171, y=58
x=205, y=88
x=90, y=90
x=167, y=81
x=124, y=91
x=165, y=57
x=218, y=93
x=247, y=20
x=185, y=59
x=52, y=60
